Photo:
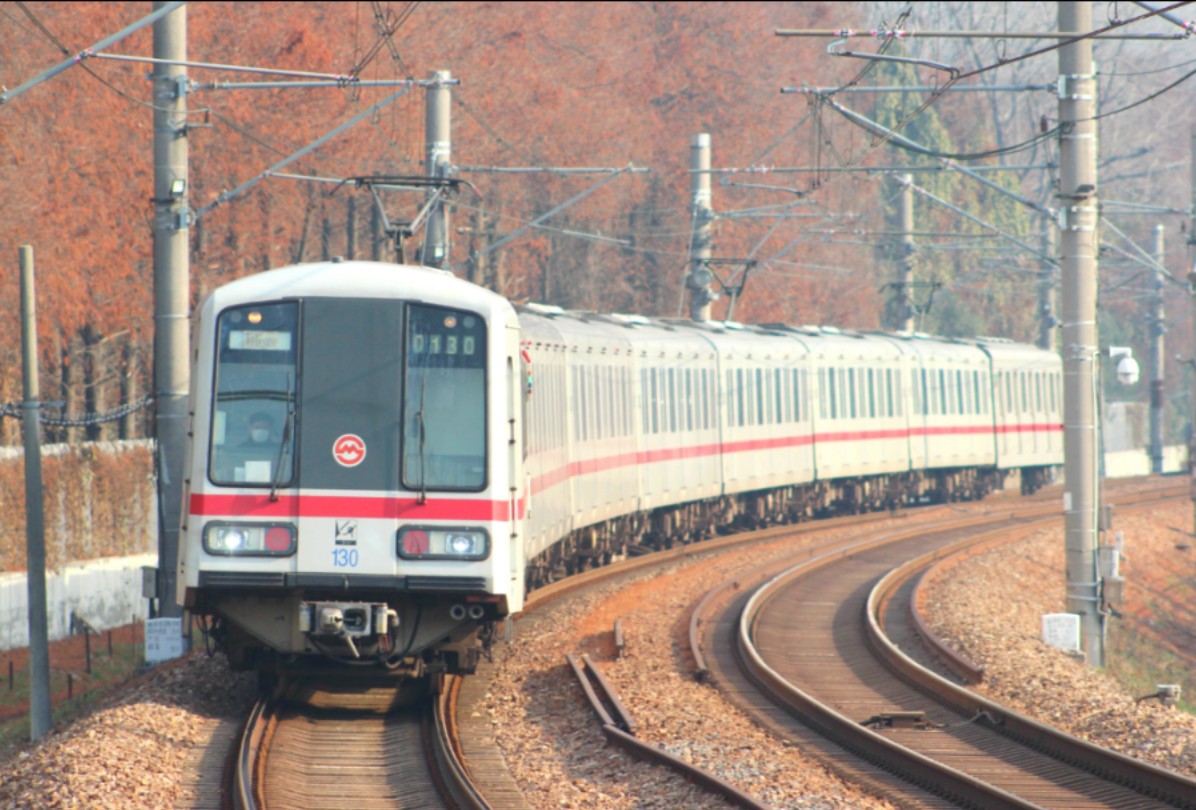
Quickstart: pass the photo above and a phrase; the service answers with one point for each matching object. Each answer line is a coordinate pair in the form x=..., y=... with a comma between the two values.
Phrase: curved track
x=805, y=640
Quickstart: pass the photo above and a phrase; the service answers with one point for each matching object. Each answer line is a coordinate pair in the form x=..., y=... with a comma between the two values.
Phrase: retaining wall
x=104, y=593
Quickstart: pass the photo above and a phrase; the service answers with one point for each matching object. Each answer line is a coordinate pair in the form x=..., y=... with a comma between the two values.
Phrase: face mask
x=260, y=434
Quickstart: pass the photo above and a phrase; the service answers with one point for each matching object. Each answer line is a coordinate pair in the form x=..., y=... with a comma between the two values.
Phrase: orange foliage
x=542, y=84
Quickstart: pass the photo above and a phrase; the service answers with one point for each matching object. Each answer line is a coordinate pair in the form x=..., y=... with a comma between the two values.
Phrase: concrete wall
x=100, y=507
x=105, y=593
x=1129, y=463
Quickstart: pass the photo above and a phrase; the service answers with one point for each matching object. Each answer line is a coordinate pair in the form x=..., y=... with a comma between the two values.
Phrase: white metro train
x=385, y=458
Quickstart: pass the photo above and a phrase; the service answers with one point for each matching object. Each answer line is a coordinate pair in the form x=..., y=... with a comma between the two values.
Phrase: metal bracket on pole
x=1071, y=216
x=1065, y=90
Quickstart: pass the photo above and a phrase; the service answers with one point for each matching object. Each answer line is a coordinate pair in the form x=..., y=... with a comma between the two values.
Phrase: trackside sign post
x=163, y=639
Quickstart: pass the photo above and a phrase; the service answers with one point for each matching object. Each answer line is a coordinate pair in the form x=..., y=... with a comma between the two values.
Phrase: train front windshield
x=253, y=416
x=385, y=395
x=445, y=416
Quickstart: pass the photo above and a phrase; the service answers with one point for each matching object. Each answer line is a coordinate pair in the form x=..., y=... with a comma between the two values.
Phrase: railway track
x=318, y=746
x=314, y=749
x=336, y=756
x=821, y=647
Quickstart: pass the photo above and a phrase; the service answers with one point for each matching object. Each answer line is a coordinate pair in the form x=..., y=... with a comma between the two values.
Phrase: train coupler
x=347, y=621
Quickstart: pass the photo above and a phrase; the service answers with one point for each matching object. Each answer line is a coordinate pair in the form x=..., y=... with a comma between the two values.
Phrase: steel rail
x=916, y=767
x=247, y=756
x=447, y=752
x=436, y=726
x=620, y=727
x=1148, y=779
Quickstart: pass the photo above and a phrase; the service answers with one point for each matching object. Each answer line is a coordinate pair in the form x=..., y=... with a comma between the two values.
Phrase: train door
x=919, y=438
x=349, y=436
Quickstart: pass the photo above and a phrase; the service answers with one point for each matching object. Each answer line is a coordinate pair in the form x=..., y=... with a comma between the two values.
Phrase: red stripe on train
x=588, y=466
x=341, y=506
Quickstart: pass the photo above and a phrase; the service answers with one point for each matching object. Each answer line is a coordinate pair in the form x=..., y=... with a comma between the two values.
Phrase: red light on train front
x=415, y=543
x=278, y=539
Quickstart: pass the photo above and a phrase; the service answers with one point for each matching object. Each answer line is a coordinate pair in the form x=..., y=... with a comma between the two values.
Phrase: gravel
x=141, y=747
x=991, y=608
x=138, y=749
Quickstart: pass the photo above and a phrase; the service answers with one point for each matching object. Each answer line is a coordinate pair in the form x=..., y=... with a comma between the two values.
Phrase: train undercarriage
x=400, y=634
x=644, y=532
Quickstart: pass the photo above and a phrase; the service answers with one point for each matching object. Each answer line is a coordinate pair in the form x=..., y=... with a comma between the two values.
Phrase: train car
x=582, y=435
x=1027, y=393
x=863, y=436
x=384, y=459
x=954, y=426
x=379, y=518
x=765, y=444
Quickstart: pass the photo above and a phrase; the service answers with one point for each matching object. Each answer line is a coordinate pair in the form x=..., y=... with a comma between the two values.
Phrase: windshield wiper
x=423, y=441
x=284, y=446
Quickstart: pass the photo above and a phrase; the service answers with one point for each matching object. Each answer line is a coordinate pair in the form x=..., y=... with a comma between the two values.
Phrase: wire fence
x=16, y=411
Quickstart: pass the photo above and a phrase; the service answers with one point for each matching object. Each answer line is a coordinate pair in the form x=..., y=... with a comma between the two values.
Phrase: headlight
x=426, y=543
x=249, y=539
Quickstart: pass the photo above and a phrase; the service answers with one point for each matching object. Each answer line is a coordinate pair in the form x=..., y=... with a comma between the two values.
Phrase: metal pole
x=699, y=278
x=35, y=526
x=1078, y=240
x=1046, y=291
x=438, y=135
x=171, y=294
x=1157, y=329
x=905, y=310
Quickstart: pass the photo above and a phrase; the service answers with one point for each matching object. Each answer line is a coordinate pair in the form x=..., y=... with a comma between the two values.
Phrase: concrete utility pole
x=1078, y=246
x=438, y=134
x=1157, y=330
x=699, y=277
x=35, y=522
x=171, y=292
x=905, y=273
x=1192, y=293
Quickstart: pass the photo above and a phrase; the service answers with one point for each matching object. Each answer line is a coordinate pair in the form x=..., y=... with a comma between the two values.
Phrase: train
x=384, y=459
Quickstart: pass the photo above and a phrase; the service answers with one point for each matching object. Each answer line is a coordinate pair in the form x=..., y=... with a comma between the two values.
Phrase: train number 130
x=344, y=557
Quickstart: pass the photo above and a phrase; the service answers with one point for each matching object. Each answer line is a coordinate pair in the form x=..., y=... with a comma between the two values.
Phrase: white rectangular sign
x=163, y=639
x=1061, y=630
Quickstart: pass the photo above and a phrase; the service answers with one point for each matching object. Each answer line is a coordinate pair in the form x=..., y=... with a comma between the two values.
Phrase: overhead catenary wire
x=1139, y=255
x=910, y=146
x=1066, y=39
x=1023, y=245
x=229, y=195
x=8, y=95
x=61, y=48
x=592, y=237
x=546, y=215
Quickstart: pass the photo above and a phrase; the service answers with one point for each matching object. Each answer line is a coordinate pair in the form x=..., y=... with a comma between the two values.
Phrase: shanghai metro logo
x=348, y=450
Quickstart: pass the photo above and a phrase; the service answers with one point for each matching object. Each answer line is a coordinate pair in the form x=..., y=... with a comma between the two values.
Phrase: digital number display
x=445, y=338
x=443, y=344
x=259, y=340
x=444, y=334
